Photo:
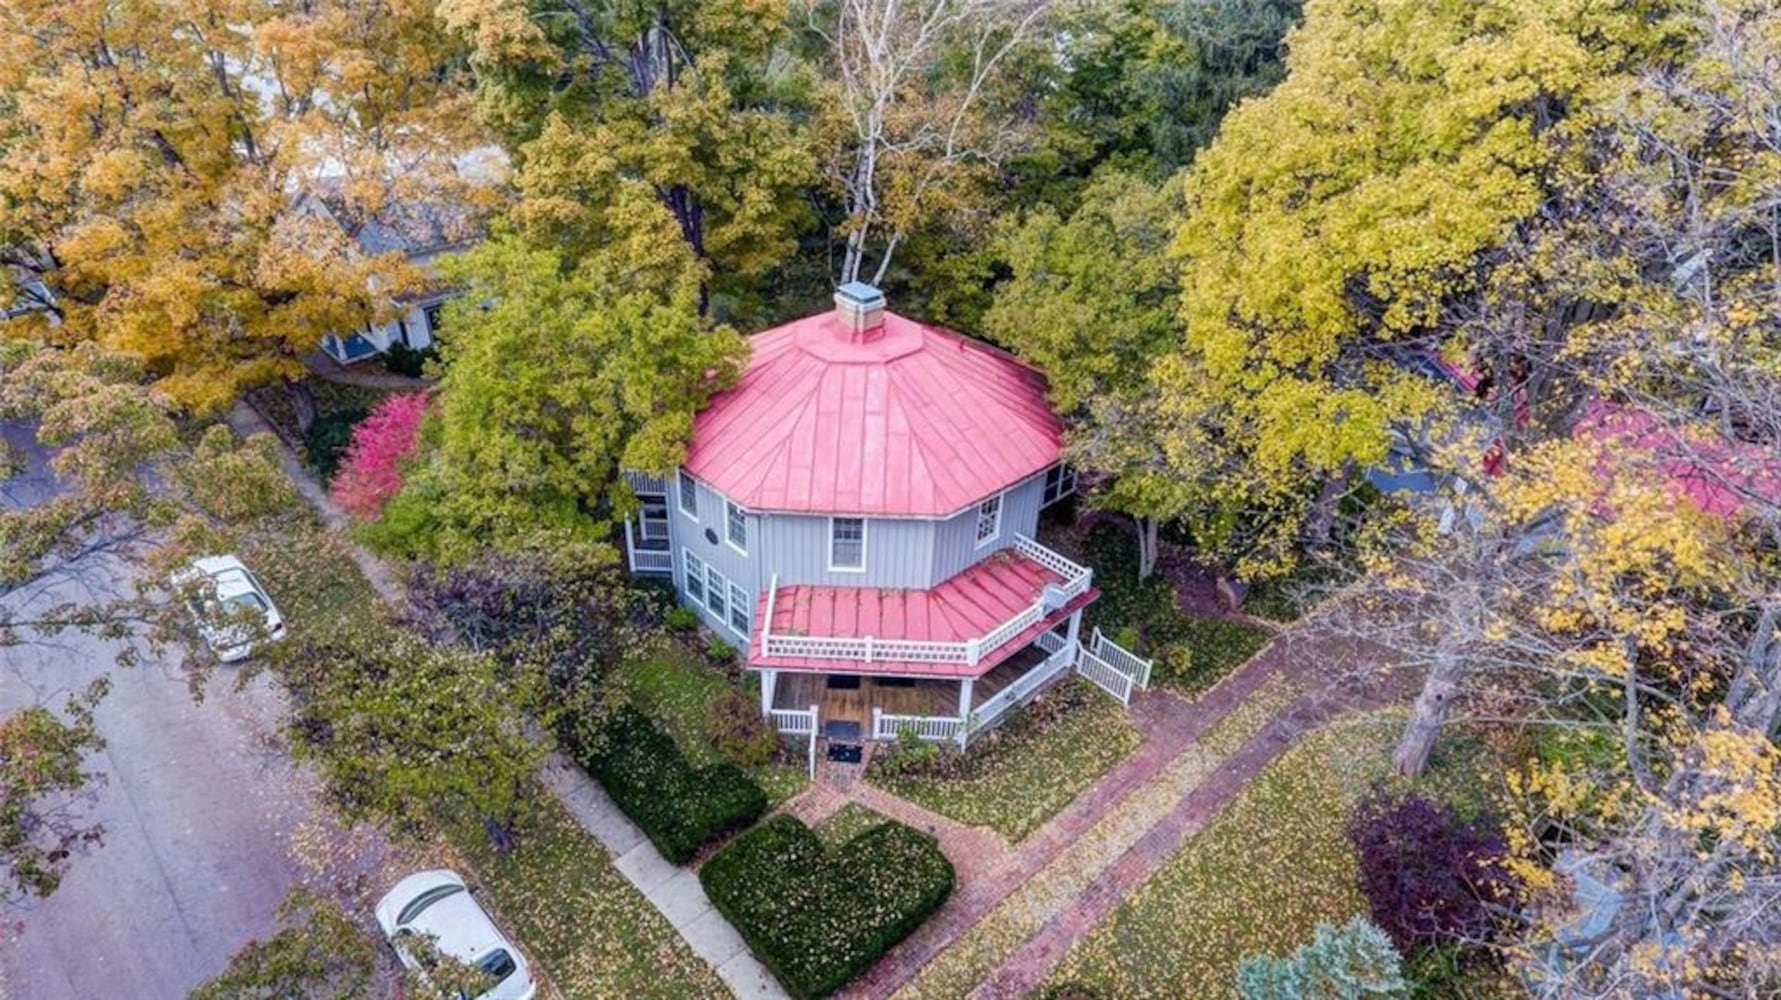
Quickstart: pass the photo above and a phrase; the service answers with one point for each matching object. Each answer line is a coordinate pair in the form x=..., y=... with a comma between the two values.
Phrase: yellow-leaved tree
x=154, y=159
x=1336, y=224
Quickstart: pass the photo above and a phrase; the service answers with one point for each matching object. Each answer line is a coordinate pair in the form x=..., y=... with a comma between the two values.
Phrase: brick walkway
x=1171, y=726
x=1028, y=967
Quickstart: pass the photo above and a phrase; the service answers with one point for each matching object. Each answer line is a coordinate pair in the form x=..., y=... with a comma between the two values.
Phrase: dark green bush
x=817, y=917
x=401, y=359
x=326, y=442
x=681, y=808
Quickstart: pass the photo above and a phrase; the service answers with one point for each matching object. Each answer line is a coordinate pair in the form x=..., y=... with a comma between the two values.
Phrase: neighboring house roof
x=414, y=228
x=910, y=420
x=970, y=605
x=1716, y=475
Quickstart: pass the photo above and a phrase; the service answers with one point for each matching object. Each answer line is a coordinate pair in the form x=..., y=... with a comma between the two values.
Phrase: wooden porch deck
x=922, y=696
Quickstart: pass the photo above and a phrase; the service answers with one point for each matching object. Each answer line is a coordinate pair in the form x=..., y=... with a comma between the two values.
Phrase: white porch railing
x=794, y=721
x=1119, y=658
x=1102, y=674
x=1023, y=687
x=798, y=722
x=868, y=649
x=643, y=482
x=646, y=560
x=936, y=728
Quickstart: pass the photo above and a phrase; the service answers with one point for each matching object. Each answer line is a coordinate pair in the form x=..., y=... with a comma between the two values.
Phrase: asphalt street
x=205, y=819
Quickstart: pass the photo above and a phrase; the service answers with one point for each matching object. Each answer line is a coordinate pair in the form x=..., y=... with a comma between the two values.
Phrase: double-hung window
x=989, y=520
x=695, y=577
x=736, y=527
x=688, y=488
x=717, y=588
x=741, y=611
x=1060, y=482
x=847, y=544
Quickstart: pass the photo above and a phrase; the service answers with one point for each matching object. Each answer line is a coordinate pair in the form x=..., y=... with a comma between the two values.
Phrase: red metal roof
x=915, y=421
x=1717, y=476
x=967, y=606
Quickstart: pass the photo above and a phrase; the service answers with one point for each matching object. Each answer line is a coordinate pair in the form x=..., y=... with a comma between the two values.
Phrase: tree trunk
x=1322, y=521
x=1429, y=714
x=302, y=404
x=1147, y=546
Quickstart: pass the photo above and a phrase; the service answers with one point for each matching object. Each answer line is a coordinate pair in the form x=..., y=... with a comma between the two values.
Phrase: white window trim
x=732, y=506
x=977, y=519
x=747, y=607
x=1066, y=484
x=687, y=561
x=711, y=574
x=681, y=478
x=864, y=533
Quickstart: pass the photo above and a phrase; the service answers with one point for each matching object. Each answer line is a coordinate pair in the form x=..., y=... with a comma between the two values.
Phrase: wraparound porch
x=877, y=707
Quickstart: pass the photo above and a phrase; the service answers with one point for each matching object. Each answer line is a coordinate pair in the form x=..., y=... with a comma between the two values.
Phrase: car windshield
x=498, y=964
x=419, y=903
x=248, y=601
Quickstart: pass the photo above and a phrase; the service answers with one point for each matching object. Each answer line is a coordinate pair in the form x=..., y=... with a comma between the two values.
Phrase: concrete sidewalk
x=673, y=890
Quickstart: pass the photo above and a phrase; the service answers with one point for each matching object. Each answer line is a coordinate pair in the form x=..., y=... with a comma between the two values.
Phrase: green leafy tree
x=318, y=953
x=407, y=732
x=1213, y=54
x=1093, y=303
x=1351, y=962
x=626, y=114
x=558, y=376
x=43, y=780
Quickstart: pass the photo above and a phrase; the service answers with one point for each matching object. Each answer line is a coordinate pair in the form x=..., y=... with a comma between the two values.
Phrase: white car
x=226, y=599
x=438, y=905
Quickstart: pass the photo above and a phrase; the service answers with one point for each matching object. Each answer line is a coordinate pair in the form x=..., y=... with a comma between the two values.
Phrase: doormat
x=841, y=729
x=845, y=753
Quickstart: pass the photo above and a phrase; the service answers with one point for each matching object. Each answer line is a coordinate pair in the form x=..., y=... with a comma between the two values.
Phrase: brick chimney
x=859, y=308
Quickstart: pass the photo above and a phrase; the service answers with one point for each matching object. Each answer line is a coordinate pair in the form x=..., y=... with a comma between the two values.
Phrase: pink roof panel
x=967, y=606
x=910, y=421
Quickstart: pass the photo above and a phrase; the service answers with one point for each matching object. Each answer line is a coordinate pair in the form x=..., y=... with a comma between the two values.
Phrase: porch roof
x=975, y=608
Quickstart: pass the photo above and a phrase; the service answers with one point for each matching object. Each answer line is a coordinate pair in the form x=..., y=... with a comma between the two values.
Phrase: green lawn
x=1216, y=647
x=1018, y=776
x=673, y=686
x=591, y=930
x=849, y=821
x=1259, y=877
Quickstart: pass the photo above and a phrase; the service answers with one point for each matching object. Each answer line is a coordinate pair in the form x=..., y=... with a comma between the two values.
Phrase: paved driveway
x=202, y=818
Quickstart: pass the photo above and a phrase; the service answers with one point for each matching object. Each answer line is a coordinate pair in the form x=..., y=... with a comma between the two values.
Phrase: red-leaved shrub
x=1429, y=876
x=371, y=471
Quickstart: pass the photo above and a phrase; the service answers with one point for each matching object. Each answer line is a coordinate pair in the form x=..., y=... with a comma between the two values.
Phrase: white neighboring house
x=423, y=232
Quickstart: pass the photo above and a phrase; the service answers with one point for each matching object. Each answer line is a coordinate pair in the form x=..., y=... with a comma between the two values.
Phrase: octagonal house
x=858, y=513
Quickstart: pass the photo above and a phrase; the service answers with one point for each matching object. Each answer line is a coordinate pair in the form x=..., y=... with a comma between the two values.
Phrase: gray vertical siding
x=955, y=539
x=900, y=552
x=690, y=534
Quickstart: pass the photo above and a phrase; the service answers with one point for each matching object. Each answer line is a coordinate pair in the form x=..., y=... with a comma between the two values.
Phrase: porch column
x=965, y=698
x=768, y=679
x=1073, y=641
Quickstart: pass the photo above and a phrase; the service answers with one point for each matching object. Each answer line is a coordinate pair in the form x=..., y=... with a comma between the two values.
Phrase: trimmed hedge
x=817, y=917
x=681, y=808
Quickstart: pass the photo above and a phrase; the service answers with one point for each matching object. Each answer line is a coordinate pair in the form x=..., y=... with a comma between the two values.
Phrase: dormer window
x=847, y=544
x=989, y=520
x=736, y=527
x=689, y=495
